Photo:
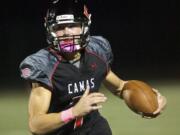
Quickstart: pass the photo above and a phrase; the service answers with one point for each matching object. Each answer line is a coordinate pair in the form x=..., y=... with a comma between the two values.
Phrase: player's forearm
x=114, y=83
x=45, y=123
x=117, y=91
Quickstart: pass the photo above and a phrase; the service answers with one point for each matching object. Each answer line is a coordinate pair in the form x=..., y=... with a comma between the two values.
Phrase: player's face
x=69, y=37
x=68, y=29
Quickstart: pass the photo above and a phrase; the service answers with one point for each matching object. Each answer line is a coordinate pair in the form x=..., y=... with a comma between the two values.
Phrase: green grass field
x=13, y=114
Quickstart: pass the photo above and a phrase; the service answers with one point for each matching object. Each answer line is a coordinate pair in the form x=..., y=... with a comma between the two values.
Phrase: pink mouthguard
x=67, y=46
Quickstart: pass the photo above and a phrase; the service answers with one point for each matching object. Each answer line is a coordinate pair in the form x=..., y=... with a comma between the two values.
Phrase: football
x=140, y=97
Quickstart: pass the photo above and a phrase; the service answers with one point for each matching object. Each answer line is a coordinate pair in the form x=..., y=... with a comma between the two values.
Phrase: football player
x=67, y=75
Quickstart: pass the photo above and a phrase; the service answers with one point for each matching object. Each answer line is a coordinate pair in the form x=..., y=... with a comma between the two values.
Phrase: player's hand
x=88, y=102
x=161, y=105
x=161, y=102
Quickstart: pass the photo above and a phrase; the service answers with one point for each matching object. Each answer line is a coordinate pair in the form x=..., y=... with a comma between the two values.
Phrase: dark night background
x=144, y=36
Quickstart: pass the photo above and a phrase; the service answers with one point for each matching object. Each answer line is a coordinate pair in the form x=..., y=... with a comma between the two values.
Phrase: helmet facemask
x=69, y=43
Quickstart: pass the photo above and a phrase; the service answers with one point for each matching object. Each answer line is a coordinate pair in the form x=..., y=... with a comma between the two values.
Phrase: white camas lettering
x=81, y=86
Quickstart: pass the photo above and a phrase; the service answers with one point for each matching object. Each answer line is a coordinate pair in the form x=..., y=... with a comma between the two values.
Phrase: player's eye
x=74, y=25
x=58, y=27
x=61, y=27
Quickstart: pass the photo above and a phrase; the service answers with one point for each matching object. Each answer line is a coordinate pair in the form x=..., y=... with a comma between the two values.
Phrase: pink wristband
x=67, y=115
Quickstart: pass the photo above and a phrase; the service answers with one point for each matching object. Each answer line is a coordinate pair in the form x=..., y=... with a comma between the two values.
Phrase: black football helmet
x=65, y=12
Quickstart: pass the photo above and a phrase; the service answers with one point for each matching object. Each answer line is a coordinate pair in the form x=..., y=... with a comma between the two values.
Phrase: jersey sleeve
x=37, y=68
x=101, y=47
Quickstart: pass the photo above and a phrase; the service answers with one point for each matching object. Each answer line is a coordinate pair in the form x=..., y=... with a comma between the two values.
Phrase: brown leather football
x=140, y=97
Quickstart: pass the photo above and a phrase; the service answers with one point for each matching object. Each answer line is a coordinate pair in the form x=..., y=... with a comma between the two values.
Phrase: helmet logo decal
x=64, y=17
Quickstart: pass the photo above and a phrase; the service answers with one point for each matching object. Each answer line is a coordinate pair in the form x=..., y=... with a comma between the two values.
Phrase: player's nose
x=67, y=31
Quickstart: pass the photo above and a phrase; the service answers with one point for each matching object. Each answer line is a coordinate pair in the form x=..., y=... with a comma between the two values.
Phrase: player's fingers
x=86, y=93
x=98, y=100
x=147, y=117
x=96, y=94
x=96, y=107
x=162, y=104
x=155, y=90
x=123, y=84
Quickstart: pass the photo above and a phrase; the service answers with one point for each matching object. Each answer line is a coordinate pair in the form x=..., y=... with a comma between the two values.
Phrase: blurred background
x=144, y=36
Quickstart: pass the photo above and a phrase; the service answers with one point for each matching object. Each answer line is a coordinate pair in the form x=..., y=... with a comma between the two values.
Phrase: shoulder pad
x=101, y=47
x=38, y=67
